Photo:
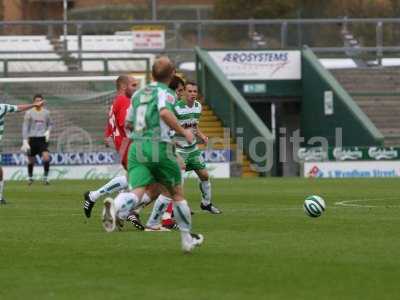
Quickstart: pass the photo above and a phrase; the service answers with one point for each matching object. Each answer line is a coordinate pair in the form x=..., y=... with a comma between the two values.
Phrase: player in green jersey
x=152, y=159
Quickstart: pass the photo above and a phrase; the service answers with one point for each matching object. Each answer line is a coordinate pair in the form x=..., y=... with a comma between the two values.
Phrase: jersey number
x=140, y=122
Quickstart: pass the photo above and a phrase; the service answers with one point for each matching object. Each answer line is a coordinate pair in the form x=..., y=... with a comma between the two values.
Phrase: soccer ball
x=314, y=206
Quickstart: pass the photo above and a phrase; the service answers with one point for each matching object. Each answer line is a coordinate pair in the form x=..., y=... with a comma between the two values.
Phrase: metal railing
x=105, y=62
x=373, y=36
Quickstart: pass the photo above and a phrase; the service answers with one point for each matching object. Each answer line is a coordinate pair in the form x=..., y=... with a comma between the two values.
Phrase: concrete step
x=207, y=113
x=245, y=163
x=204, y=124
x=208, y=118
x=382, y=115
x=385, y=126
x=384, y=118
x=367, y=79
x=211, y=126
x=212, y=129
x=247, y=168
x=250, y=174
x=390, y=131
x=378, y=100
x=221, y=140
x=214, y=134
x=392, y=142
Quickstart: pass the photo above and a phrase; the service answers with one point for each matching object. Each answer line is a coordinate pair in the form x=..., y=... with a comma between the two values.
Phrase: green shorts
x=193, y=160
x=146, y=165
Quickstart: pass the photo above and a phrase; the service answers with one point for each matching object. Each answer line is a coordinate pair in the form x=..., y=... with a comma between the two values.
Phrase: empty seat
x=108, y=43
x=29, y=43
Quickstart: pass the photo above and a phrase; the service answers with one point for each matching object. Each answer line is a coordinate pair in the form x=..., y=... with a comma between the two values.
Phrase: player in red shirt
x=115, y=133
x=115, y=129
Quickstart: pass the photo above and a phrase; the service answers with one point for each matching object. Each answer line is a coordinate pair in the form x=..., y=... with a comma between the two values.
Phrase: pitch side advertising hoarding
x=351, y=169
x=350, y=162
x=98, y=165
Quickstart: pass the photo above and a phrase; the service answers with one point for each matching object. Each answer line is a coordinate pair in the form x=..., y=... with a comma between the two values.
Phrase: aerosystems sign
x=259, y=65
x=354, y=169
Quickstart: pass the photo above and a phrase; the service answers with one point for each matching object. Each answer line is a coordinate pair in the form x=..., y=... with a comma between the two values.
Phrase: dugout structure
x=255, y=106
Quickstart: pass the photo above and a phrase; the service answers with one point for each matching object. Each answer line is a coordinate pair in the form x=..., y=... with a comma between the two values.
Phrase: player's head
x=37, y=98
x=178, y=85
x=127, y=85
x=191, y=91
x=163, y=70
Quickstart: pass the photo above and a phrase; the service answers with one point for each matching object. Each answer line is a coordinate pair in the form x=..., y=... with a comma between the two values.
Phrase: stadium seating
x=30, y=43
x=377, y=92
x=107, y=43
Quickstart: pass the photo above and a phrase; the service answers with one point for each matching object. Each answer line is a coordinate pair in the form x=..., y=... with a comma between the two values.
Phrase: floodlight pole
x=65, y=19
x=154, y=10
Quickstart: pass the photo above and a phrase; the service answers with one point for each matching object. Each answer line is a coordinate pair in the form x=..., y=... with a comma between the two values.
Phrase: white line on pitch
x=350, y=203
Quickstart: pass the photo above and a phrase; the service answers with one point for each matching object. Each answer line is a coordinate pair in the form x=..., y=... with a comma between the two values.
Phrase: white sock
x=183, y=176
x=1, y=189
x=123, y=203
x=143, y=202
x=183, y=217
x=205, y=188
x=114, y=185
x=159, y=208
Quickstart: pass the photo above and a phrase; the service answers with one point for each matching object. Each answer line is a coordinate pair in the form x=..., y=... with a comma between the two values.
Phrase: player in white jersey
x=5, y=109
x=188, y=113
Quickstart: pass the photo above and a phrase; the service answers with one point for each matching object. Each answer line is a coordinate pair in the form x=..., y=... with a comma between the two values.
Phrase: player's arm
x=49, y=126
x=120, y=112
x=108, y=131
x=169, y=118
x=25, y=129
x=201, y=135
x=129, y=119
x=23, y=107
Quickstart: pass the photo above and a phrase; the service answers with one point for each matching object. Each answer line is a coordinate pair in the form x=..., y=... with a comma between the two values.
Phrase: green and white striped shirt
x=189, y=118
x=5, y=109
x=144, y=113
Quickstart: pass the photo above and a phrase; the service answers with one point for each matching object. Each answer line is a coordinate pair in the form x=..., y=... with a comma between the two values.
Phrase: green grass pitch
x=263, y=246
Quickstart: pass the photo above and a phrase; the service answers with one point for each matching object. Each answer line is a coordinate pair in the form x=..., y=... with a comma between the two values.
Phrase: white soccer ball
x=314, y=206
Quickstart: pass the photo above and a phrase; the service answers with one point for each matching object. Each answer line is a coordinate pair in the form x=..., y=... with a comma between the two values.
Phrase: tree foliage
x=257, y=9
x=270, y=9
